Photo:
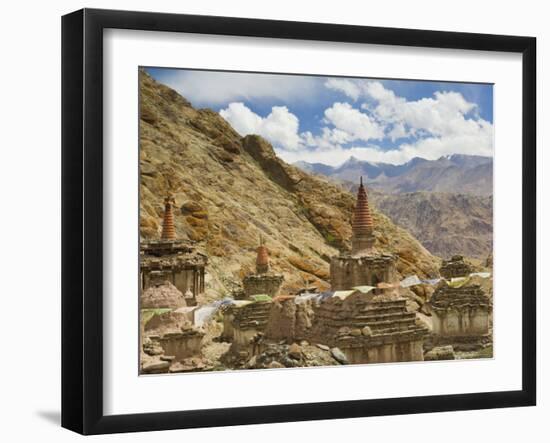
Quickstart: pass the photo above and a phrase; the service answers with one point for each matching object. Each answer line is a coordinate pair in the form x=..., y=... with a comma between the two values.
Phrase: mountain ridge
x=471, y=174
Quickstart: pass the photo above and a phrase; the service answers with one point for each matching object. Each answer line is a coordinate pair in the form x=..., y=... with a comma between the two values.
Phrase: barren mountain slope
x=231, y=190
x=446, y=224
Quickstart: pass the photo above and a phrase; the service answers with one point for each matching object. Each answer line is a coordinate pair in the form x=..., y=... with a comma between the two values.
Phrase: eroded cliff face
x=230, y=190
x=445, y=223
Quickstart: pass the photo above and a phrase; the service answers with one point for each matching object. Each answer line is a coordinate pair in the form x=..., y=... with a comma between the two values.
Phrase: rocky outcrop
x=440, y=353
x=165, y=295
x=262, y=152
x=276, y=356
x=445, y=223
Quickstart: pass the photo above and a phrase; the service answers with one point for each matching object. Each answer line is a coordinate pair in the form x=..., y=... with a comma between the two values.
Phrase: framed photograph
x=269, y=221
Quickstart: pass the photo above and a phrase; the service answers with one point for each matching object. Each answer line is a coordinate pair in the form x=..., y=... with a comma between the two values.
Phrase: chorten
x=461, y=310
x=364, y=265
x=362, y=239
x=172, y=259
x=262, y=258
x=168, y=228
x=371, y=323
x=263, y=281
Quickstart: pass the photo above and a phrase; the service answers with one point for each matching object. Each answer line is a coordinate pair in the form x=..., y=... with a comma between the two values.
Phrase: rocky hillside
x=445, y=224
x=230, y=190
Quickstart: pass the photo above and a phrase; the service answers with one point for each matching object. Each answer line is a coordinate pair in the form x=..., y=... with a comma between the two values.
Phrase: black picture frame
x=82, y=220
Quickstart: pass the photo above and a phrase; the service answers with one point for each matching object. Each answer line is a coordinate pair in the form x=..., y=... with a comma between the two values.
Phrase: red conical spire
x=168, y=228
x=262, y=259
x=362, y=224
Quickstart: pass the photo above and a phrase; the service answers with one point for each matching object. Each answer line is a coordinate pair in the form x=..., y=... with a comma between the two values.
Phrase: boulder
x=275, y=365
x=440, y=353
x=167, y=323
x=339, y=356
x=344, y=330
x=152, y=347
x=367, y=331
x=294, y=351
x=155, y=367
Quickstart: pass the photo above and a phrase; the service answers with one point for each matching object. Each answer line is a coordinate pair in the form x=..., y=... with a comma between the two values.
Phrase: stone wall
x=347, y=272
x=391, y=352
x=460, y=312
x=244, y=327
x=173, y=261
x=262, y=284
x=369, y=329
x=181, y=344
x=455, y=267
x=470, y=321
x=191, y=279
x=228, y=332
x=289, y=321
x=243, y=323
x=182, y=279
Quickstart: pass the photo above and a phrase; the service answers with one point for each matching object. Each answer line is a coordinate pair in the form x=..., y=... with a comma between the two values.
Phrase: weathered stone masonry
x=169, y=259
x=263, y=281
x=460, y=312
x=347, y=271
x=374, y=327
x=369, y=329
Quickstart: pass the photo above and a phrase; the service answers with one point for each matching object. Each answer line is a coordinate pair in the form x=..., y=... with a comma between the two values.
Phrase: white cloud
x=430, y=148
x=243, y=120
x=280, y=127
x=478, y=143
x=338, y=155
x=211, y=88
x=444, y=114
x=441, y=115
x=398, y=131
x=327, y=140
x=377, y=91
x=348, y=87
x=443, y=124
x=357, y=125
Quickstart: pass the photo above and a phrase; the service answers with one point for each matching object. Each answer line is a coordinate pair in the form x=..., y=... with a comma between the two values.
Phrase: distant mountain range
x=457, y=173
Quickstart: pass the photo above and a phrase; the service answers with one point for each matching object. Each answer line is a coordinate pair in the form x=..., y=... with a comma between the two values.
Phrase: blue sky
x=329, y=119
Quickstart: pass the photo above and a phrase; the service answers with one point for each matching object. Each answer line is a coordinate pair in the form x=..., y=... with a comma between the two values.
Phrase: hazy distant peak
x=352, y=160
x=470, y=173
